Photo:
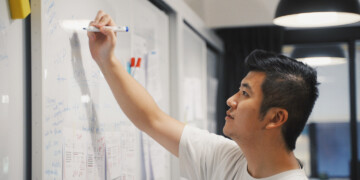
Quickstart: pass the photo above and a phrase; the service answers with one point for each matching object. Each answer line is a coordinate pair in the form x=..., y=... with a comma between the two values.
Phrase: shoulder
x=204, y=155
x=296, y=174
x=198, y=137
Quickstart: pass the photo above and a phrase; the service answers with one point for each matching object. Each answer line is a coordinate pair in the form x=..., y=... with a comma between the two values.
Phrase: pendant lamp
x=316, y=13
x=319, y=55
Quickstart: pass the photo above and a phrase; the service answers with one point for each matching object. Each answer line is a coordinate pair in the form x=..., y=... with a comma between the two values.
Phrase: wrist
x=107, y=64
x=108, y=61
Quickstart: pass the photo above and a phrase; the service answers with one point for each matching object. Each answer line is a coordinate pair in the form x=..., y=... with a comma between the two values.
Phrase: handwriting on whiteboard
x=3, y=57
x=2, y=25
x=50, y=15
x=83, y=158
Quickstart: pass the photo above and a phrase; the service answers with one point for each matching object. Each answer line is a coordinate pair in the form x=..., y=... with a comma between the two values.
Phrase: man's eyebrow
x=247, y=86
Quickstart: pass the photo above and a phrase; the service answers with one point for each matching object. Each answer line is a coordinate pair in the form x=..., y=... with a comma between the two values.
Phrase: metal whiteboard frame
x=37, y=90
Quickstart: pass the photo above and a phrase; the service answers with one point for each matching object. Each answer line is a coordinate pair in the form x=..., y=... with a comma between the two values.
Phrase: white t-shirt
x=209, y=156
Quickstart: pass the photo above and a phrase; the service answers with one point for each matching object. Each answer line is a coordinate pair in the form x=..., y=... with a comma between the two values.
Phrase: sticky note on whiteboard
x=20, y=9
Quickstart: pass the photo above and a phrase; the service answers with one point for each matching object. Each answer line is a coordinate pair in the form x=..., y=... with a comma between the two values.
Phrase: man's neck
x=266, y=159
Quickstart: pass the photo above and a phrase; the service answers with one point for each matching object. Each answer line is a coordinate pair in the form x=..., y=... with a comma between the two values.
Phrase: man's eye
x=245, y=93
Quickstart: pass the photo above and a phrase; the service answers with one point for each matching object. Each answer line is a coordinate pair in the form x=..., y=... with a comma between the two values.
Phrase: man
x=265, y=117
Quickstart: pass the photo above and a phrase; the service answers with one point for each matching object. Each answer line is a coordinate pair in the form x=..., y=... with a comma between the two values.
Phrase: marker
x=128, y=67
x=132, y=66
x=137, y=67
x=114, y=28
x=138, y=63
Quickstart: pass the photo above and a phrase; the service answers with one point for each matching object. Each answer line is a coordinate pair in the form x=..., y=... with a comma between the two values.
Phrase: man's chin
x=225, y=131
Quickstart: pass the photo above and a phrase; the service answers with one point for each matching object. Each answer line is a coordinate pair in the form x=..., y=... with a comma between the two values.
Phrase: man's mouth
x=228, y=115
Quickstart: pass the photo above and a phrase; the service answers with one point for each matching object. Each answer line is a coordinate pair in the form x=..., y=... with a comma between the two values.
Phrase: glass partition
x=357, y=78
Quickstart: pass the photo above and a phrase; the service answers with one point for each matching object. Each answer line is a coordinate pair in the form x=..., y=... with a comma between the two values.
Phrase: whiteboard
x=79, y=131
x=12, y=96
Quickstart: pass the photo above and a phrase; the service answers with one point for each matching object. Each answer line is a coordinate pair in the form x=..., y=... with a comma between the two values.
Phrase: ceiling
x=234, y=13
x=237, y=13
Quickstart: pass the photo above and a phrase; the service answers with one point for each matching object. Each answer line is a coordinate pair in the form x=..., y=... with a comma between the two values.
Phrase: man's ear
x=276, y=117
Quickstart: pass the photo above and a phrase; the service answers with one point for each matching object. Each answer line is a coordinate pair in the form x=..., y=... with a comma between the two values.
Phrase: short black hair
x=288, y=84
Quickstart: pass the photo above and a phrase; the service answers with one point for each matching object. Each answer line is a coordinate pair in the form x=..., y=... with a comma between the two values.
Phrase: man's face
x=243, y=120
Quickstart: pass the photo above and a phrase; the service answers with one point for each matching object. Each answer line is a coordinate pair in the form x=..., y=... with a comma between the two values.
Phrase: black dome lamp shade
x=316, y=13
x=319, y=55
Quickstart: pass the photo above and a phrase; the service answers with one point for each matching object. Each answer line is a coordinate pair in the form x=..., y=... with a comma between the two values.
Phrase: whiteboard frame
x=37, y=90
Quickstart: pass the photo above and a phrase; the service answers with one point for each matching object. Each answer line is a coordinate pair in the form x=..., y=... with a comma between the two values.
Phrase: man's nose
x=231, y=102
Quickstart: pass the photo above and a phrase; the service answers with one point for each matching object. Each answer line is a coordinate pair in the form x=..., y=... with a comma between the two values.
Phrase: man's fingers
x=102, y=19
x=91, y=35
x=98, y=16
x=91, y=23
x=105, y=20
x=109, y=33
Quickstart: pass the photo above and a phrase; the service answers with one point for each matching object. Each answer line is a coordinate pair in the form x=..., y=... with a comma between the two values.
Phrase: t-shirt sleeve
x=202, y=153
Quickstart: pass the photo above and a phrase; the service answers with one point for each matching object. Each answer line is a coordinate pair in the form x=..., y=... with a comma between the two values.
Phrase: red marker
x=137, y=67
x=132, y=62
x=138, y=63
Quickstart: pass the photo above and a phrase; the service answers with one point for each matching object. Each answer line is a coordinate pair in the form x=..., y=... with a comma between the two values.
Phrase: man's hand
x=102, y=44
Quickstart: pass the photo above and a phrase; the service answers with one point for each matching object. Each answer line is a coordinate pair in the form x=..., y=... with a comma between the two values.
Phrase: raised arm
x=133, y=99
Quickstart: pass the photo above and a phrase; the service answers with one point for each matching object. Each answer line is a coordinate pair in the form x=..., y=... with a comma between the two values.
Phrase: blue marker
x=128, y=67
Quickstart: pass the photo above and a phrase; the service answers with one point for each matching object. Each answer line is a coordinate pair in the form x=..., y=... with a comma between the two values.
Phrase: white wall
x=197, y=6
